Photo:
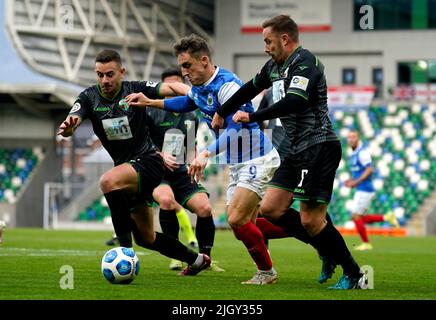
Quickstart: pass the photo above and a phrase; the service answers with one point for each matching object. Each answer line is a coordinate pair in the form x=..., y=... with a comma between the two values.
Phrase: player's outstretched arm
x=171, y=89
x=69, y=125
x=141, y=100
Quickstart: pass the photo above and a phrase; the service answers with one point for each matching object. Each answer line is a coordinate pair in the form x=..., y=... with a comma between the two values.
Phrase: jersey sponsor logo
x=151, y=84
x=206, y=116
x=76, y=107
x=302, y=68
x=123, y=104
x=274, y=75
x=174, y=144
x=102, y=109
x=299, y=190
x=278, y=90
x=117, y=128
x=166, y=124
x=299, y=82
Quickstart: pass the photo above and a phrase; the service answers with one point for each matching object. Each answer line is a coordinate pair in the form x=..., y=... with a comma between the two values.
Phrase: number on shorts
x=253, y=171
x=303, y=173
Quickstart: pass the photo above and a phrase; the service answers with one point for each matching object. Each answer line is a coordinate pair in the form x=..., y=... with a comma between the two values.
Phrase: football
x=120, y=265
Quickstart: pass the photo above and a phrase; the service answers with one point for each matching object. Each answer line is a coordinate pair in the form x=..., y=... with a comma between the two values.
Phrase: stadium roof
x=17, y=79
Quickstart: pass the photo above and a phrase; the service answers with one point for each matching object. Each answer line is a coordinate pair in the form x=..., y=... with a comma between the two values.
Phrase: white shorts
x=362, y=201
x=253, y=175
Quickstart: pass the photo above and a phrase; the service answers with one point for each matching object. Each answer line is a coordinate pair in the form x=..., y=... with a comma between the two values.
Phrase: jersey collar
x=217, y=69
x=358, y=148
x=289, y=59
x=103, y=96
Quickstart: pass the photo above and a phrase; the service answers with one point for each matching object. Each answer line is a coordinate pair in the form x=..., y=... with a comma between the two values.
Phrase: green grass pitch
x=31, y=259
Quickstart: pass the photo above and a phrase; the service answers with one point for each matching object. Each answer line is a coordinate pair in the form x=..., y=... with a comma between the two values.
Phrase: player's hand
x=169, y=161
x=196, y=168
x=66, y=129
x=217, y=122
x=138, y=100
x=241, y=116
x=350, y=183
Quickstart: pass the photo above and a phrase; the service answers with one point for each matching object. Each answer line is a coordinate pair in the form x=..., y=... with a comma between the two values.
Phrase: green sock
x=185, y=225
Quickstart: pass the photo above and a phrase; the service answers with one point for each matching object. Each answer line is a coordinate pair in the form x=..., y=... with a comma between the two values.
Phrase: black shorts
x=310, y=174
x=150, y=169
x=180, y=183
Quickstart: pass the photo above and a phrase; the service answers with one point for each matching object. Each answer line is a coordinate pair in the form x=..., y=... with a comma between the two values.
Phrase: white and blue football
x=120, y=265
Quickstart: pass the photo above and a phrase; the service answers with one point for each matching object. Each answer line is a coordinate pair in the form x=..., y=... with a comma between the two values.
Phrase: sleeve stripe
x=226, y=91
x=158, y=89
x=298, y=94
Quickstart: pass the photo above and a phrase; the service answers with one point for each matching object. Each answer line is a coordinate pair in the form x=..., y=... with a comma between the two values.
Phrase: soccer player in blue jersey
x=252, y=165
x=361, y=181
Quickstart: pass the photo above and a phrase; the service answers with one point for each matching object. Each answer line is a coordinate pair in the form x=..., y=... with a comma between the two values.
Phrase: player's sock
x=185, y=225
x=252, y=238
x=168, y=223
x=371, y=218
x=330, y=243
x=290, y=222
x=266, y=241
x=121, y=220
x=270, y=230
x=172, y=248
x=361, y=229
x=205, y=231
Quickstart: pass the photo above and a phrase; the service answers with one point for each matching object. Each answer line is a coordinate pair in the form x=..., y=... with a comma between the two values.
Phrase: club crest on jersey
x=209, y=100
x=123, y=104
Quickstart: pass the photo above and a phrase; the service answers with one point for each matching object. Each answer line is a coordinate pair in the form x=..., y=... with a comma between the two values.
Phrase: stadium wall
x=339, y=48
x=21, y=126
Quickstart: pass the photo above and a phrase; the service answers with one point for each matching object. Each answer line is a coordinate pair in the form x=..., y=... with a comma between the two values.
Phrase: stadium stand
x=16, y=166
x=401, y=140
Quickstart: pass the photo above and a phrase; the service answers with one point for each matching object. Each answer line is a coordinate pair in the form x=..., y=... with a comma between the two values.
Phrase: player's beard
x=109, y=90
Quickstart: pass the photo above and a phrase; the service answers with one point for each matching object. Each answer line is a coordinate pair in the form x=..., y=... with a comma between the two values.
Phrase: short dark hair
x=169, y=72
x=194, y=45
x=108, y=55
x=283, y=24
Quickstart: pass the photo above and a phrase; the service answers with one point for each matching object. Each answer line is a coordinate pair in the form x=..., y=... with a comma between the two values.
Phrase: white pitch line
x=54, y=252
